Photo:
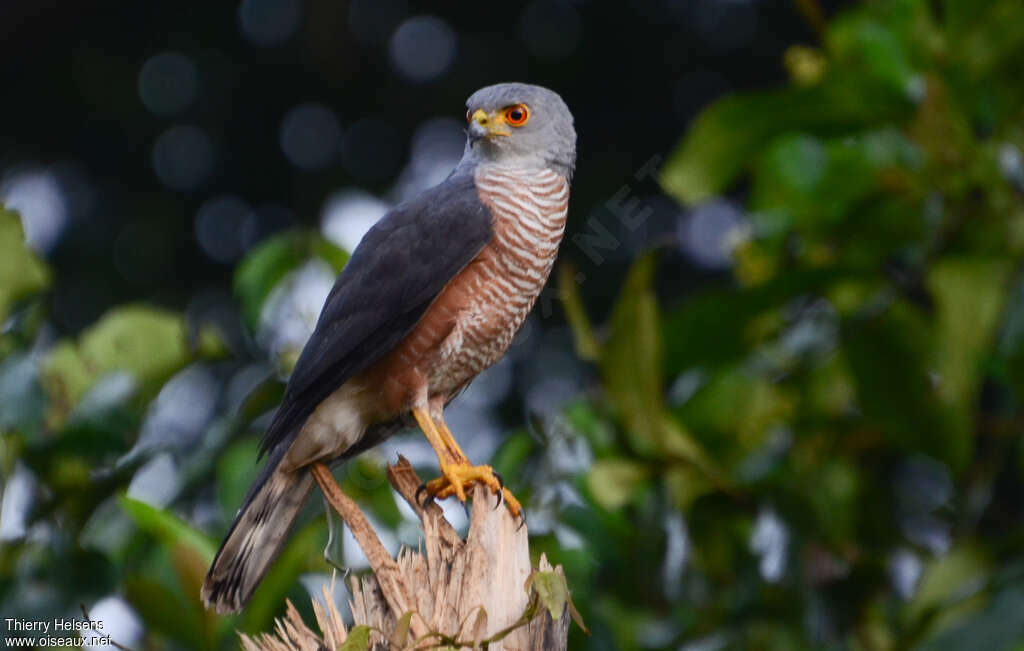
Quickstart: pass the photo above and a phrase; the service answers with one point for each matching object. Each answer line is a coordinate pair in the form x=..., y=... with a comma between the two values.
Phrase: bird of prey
x=432, y=296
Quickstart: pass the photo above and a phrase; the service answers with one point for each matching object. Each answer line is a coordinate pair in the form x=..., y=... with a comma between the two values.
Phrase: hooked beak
x=485, y=125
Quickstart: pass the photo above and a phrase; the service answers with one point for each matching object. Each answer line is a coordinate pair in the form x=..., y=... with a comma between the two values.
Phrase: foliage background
x=771, y=400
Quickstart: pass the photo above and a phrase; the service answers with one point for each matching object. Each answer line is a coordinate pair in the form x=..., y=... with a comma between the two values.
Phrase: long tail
x=256, y=537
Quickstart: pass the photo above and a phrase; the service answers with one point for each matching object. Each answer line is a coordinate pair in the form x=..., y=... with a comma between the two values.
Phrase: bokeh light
x=179, y=415
x=120, y=622
x=710, y=233
x=269, y=22
x=770, y=541
x=485, y=427
x=36, y=194
x=436, y=149
x=1011, y=164
x=18, y=497
x=168, y=83
x=309, y=136
x=490, y=387
x=183, y=157
x=677, y=554
x=221, y=227
x=157, y=482
x=348, y=214
x=290, y=312
x=905, y=570
x=423, y=48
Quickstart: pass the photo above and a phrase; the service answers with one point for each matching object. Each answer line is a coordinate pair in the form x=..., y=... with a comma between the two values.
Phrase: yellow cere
x=494, y=123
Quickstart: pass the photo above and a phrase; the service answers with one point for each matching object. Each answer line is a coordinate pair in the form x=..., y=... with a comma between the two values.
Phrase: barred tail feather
x=255, y=538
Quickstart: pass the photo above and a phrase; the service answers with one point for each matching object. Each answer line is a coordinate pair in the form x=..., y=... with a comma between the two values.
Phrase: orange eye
x=517, y=115
x=469, y=116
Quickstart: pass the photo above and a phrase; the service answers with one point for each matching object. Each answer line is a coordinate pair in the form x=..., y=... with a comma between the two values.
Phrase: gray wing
x=395, y=273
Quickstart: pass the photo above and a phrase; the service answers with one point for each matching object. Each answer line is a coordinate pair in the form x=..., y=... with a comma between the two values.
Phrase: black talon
x=522, y=521
x=501, y=490
x=416, y=497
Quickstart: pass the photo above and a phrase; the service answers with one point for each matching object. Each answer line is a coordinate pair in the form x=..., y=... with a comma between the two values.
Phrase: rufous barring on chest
x=473, y=321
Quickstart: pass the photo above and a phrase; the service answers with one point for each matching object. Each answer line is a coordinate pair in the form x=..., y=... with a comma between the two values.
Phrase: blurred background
x=771, y=398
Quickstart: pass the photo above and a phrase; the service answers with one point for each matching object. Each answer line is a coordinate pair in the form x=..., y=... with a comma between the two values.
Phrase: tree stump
x=477, y=592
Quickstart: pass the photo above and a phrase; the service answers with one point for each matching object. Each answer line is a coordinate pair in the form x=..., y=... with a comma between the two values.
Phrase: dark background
x=634, y=75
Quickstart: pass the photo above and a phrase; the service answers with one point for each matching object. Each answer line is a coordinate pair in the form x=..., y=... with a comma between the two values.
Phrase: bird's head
x=520, y=125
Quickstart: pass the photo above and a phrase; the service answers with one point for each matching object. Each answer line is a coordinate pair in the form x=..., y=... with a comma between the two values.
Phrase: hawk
x=432, y=296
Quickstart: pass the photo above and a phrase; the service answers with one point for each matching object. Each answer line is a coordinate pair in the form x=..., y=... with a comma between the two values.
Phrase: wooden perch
x=473, y=593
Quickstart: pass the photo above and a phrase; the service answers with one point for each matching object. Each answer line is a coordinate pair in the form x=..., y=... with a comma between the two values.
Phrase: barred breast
x=471, y=324
x=502, y=284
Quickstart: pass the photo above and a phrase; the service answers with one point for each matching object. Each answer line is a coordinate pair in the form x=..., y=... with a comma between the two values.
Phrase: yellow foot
x=458, y=477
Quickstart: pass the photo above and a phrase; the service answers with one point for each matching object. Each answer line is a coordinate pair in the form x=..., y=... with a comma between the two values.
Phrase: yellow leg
x=456, y=471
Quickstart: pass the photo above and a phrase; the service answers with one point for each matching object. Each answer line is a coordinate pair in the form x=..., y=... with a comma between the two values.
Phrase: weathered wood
x=465, y=591
x=470, y=589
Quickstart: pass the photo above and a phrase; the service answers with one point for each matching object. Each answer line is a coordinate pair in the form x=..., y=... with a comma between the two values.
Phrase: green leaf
x=918, y=378
x=715, y=327
x=948, y=588
x=962, y=15
x=191, y=554
x=631, y=363
x=148, y=343
x=211, y=343
x=1000, y=625
x=583, y=333
x=513, y=454
x=553, y=592
x=889, y=359
x=987, y=36
x=813, y=184
x=871, y=41
x=729, y=134
x=969, y=298
x=358, y=639
x=330, y=252
x=401, y=635
x=22, y=272
x=869, y=79
x=585, y=419
x=685, y=484
x=837, y=486
x=271, y=261
x=169, y=529
x=161, y=608
x=613, y=481
x=734, y=412
x=23, y=400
